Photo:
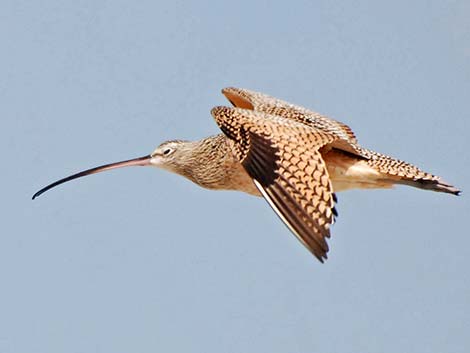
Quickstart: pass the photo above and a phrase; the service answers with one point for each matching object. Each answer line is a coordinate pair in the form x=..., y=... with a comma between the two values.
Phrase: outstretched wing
x=399, y=171
x=281, y=155
x=246, y=99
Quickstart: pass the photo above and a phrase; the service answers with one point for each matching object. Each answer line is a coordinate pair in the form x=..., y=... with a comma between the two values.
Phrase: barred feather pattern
x=392, y=170
x=282, y=157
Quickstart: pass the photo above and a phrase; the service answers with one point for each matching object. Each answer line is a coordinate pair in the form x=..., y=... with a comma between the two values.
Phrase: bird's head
x=169, y=154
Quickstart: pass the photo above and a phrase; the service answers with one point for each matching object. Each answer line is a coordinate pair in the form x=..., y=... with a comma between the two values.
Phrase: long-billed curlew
x=293, y=157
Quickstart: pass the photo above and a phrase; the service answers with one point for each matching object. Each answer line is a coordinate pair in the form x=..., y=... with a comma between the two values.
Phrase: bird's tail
x=434, y=185
x=399, y=172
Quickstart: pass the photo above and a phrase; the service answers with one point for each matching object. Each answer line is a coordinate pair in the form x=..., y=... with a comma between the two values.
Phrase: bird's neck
x=212, y=164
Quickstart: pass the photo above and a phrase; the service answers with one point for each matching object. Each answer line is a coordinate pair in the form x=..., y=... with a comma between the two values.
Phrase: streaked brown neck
x=211, y=163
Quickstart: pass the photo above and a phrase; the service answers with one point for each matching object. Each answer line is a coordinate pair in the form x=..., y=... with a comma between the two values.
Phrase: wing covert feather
x=282, y=157
x=246, y=99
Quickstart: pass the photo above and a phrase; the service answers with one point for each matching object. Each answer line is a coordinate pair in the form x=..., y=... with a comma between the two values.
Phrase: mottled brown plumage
x=293, y=157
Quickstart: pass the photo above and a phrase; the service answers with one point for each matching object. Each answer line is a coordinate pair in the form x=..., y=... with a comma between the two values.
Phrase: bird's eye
x=167, y=151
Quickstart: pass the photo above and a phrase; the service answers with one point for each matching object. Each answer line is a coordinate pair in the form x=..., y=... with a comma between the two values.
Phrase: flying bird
x=293, y=157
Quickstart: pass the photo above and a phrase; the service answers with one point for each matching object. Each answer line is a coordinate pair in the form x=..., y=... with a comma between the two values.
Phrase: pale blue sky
x=139, y=260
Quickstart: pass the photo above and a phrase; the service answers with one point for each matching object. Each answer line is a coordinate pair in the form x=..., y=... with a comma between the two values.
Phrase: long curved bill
x=141, y=161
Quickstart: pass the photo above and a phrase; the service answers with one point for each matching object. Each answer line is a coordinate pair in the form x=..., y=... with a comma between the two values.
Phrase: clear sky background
x=139, y=260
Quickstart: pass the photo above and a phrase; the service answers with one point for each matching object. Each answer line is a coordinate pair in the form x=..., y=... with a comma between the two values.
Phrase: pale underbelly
x=347, y=172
